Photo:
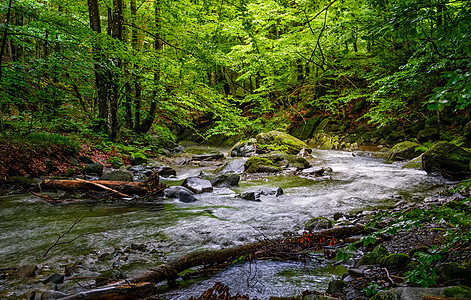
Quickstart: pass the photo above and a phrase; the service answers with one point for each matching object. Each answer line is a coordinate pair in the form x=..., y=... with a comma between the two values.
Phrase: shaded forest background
x=131, y=71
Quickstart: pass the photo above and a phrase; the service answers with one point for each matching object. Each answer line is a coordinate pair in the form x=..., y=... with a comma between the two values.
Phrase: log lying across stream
x=121, y=188
x=169, y=271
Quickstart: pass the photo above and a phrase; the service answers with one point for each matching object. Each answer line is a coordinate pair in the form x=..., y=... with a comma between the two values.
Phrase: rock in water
x=405, y=150
x=451, y=161
x=55, y=278
x=226, y=180
x=198, y=185
x=182, y=193
x=260, y=165
x=276, y=140
x=255, y=195
x=27, y=271
x=245, y=149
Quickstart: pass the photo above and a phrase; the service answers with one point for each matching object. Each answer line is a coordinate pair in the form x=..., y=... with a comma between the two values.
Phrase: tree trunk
x=149, y=120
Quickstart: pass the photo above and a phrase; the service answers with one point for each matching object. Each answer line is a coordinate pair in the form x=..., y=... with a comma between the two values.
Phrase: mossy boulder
x=21, y=181
x=455, y=271
x=120, y=175
x=405, y=150
x=428, y=134
x=280, y=141
x=458, y=292
x=138, y=158
x=449, y=160
x=260, y=165
x=415, y=163
x=283, y=160
x=374, y=257
x=395, y=260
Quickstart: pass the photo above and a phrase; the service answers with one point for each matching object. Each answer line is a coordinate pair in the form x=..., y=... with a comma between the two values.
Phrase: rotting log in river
x=255, y=250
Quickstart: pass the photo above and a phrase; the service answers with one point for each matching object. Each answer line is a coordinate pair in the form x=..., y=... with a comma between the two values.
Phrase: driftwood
x=170, y=270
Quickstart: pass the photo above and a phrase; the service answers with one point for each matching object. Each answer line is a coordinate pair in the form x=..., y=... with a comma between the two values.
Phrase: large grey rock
x=226, y=180
x=182, y=193
x=255, y=195
x=244, y=149
x=318, y=223
x=198, y=185
x=166, y=171
x=235, y=166
x=336, y=286
x=119, y=175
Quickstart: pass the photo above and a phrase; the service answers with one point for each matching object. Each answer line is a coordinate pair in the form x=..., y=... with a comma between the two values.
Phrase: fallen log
x=170, y=270
x=71, y=185
x=117, y=291
x=122, y=188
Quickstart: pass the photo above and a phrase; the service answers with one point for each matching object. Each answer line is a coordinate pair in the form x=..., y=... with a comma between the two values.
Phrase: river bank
x=132, y=237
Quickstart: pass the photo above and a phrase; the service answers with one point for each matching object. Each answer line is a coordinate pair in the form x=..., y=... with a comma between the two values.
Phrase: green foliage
x=456, y=220
x=372, y=289
x=48, y=140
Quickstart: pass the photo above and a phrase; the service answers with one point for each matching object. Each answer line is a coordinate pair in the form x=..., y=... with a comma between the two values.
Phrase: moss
x=448, y=159
x=395, y=260
x=275, y=140
x=458, y=292
x=260, y=164
x=282, y=159
x=415, y=163
x=21, y=181
x=374, y=257
x=385, y=295
x=405, y=150
x=138, y=158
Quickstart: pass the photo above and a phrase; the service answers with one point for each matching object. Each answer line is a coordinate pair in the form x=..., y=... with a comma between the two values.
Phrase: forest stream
x=133, y=237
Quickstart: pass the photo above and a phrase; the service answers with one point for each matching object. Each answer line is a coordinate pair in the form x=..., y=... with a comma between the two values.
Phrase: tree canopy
x=228, y=67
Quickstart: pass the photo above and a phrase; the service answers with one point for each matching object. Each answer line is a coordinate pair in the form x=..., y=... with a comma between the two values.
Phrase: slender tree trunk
x=2, y=51
x=149, y=120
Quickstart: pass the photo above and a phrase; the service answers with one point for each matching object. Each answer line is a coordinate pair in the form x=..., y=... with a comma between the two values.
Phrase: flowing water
x=171, y=229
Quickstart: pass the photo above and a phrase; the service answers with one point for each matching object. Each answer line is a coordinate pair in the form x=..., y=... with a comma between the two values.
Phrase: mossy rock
x=395, y=260
x=374, y=257
x=415, y=163
x=282, y=159
x=458, y=292
x=458, y=205
x=276, y=140
x=260, y=165
x=385, y=295
x=428, y=134
x=120, y=175
x=453, y=271
x=138, y=158
x=21, y=181
x=318, y=223
x=405, y=150
x=449, y=160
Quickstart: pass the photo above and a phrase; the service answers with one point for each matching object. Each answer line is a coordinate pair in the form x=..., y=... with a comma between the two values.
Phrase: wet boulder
x=120, y=175
x=27, y=271
x=166, y=171
x=244, y=149
x=55, y=278
x=255, y=195
x=451, y=161
x=226, y=180
x=198, y=185
x=280, y=141
x=182, y=193
x=235, y=166
x=284, y=160
x=405, y=150
x=260, y=165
